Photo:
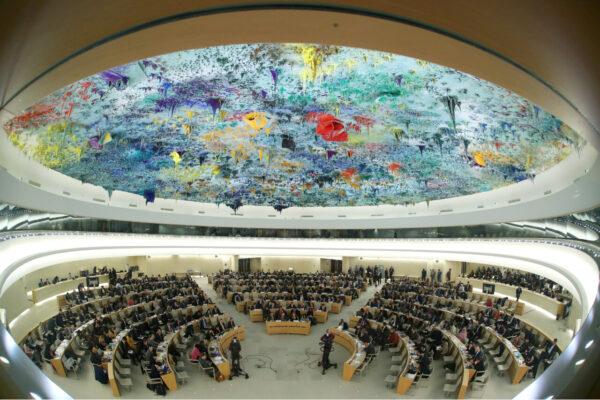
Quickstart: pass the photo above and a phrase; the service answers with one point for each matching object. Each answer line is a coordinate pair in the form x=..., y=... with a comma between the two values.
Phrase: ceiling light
x=580, y=361
x=4, y=360
x=589, y=344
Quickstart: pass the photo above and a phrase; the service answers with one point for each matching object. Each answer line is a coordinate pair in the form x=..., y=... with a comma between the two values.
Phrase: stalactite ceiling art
x=291, y=125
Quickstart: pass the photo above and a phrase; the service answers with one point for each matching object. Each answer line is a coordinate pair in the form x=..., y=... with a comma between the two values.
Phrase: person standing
x=100, y=373
x=236, y=348
x=448, y=274
x=439, y=275
x=423, y=274
x=327, y=341
x=518, y=293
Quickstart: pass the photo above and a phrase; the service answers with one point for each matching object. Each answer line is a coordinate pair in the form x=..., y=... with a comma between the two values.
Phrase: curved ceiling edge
x=72, y=198
x=430, y=45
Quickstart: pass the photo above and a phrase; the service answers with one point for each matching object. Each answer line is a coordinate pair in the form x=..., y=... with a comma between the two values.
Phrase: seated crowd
x=144, y=306
x=417, y=301
x=527, y=280
x=144, y=340
x=95, y=271
x=119, y=287
x=286, y=295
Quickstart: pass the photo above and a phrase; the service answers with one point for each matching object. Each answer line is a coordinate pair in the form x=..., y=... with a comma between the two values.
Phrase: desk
x=347, y=300
x=41, y=293
x=256, y=315
x=162, y=353
x=57, y=362
x=462, y=365
x=512, y=305
x=219, y=347
x=109, y=356
x=405, y=380
x=320, y=316
x=285, y=327
x=518, y=368
x=355, y=347
x=336, y=308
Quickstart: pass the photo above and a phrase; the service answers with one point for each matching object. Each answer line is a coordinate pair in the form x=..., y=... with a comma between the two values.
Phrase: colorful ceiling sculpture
x=291, y=125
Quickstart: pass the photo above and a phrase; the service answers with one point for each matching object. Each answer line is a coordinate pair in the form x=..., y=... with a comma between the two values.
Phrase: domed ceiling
x=291, y=125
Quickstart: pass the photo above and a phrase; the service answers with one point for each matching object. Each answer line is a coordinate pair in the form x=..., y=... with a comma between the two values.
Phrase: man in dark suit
x=327, y=342
x=518, y=292
x=236, y=348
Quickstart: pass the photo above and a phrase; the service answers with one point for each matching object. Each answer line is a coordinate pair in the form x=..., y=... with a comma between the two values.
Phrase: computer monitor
x=92, y=281
x=489, y=288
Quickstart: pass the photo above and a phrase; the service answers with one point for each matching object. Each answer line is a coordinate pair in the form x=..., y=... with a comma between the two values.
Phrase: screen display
x=92, y=281
x=489, y=288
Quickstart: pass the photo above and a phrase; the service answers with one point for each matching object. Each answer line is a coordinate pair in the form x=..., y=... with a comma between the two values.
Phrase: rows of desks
x=405, y=379
x=518, y=368
x=470, y=306
x=457, y=349
x=257, y=315
x=554, y=306
x=332, y=307
x=57, y=361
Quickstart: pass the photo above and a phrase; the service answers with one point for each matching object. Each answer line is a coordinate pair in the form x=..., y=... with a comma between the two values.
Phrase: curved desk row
x=471, y=307
x=257, y=315
x=462, y=363
x=405, y=380
x=97, y=303
x=44, y=292
x=456, y=349
x=518, y=368
x=220, y=346
x=333, y=307
x=288, y=327
x=511, y=305
x=57, y=361
x=554, y=306
x=355, y=347
x=518, y=365
x=117, y=345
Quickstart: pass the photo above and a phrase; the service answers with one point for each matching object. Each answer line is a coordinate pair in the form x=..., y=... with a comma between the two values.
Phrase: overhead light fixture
x=4, y=360
x=580, y=361
x=589, y=344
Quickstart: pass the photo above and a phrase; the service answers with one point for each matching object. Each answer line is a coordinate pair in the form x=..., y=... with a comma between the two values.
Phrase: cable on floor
x=262, y=362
